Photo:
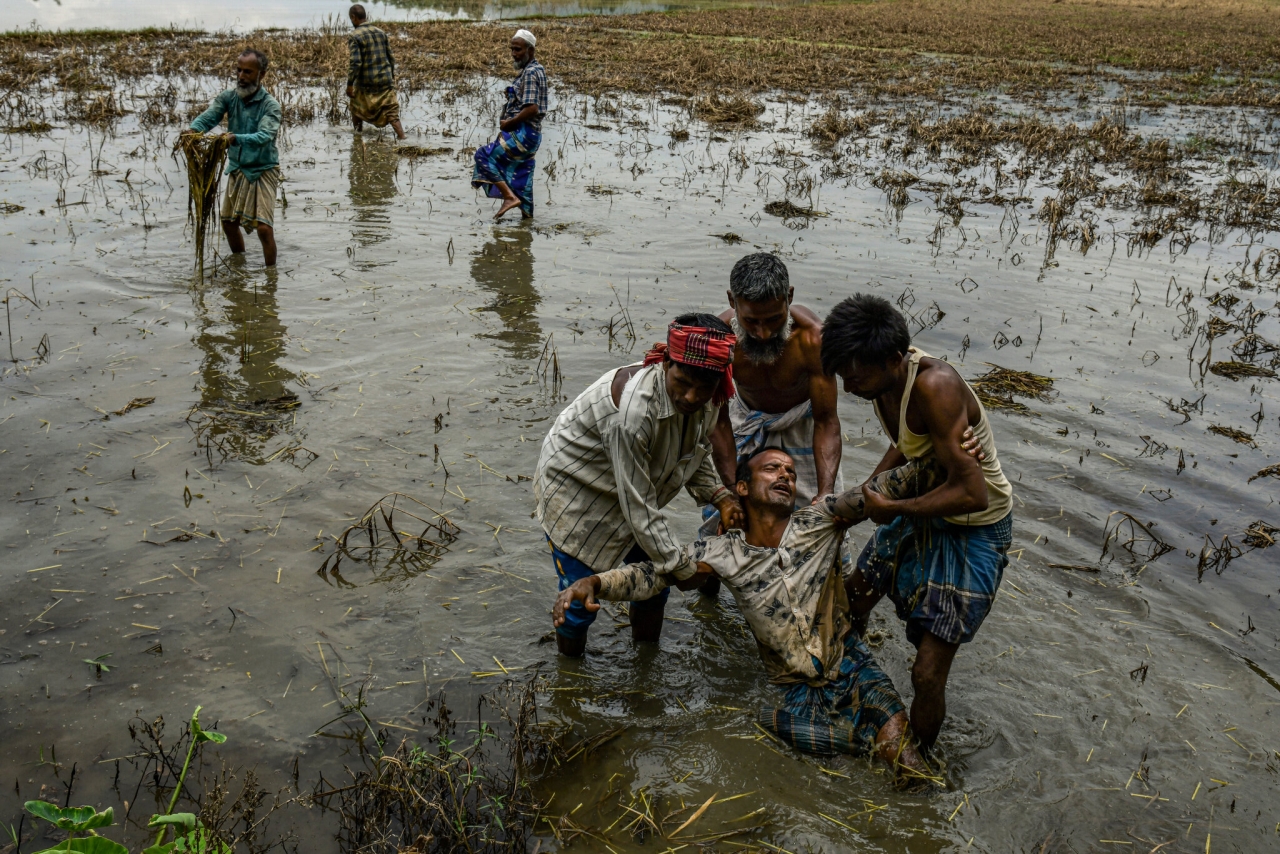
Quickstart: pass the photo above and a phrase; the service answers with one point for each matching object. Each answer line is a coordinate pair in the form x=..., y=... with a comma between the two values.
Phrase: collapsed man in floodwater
x=784, y=570
x=939, y=556
x=371, y=76
x=253, y=164
x=504, y=167
x=620, y=453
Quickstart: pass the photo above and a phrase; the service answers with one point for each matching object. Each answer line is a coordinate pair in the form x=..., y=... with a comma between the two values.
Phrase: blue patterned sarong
x=843, y=716
x=941, y=577
x=509, y=159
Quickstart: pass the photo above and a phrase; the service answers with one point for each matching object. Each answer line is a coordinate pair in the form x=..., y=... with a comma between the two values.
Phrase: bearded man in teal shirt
x=253, y=164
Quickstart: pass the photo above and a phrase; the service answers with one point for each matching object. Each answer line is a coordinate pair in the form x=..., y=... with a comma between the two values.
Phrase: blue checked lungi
x=843, y=716
x=509, y=159
x=569, y=569
x=941, y=577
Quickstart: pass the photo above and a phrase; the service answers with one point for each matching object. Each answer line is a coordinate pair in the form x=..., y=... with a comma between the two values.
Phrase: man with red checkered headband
x=619, y=453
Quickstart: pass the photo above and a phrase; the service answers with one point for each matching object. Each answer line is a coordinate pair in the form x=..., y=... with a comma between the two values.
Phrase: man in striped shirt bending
x=621, y=452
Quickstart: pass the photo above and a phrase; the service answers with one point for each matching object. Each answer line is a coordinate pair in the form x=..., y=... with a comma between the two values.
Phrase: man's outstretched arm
x=634, y=582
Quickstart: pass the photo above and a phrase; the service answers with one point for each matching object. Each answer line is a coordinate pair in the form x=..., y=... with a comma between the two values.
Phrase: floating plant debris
x=787, y=210
x=1260, y=535
x=1233, y=434
x=420, y=151
x=1236, y=371
x=997, y=387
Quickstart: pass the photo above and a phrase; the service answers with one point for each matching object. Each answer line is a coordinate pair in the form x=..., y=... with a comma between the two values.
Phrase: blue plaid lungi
x=577, y=619
x=843, y=716
x=509, y=159
x=941, y=577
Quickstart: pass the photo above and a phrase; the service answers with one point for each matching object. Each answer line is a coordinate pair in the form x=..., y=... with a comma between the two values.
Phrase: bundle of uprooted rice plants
x=997, y=387
x=205, y=156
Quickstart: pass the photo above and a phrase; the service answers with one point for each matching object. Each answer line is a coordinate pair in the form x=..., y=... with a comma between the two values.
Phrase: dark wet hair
x=700, y=375
x=357, y=12
x=865, y=329
x=744, y=464
x=760, y=277
x=259, y=56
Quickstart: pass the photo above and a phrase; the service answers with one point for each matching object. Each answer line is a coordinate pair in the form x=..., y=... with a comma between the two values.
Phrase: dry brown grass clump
x=727, y=110
x=1260, y=535
x=1236, y=371
x=419, y=151
x=833, y=126
x=997, y=387
x=1269, y=471
x=789, y=210
x=1233, y=434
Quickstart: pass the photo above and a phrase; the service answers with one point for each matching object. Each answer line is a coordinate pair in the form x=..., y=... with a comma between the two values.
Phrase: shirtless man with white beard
x=784, y=399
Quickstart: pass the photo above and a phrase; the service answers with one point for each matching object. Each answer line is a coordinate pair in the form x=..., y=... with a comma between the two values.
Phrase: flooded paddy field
x=181, y=452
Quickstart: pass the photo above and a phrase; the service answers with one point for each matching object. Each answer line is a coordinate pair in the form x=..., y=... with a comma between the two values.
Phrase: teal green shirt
x=256, y=124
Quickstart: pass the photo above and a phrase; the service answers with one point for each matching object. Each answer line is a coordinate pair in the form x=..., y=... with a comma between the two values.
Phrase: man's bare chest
x=783, y=383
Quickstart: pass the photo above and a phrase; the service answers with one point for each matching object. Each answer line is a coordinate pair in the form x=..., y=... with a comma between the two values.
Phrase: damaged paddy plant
x=302, y=497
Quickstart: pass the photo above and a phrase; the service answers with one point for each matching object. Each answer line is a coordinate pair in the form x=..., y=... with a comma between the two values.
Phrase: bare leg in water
x=509, y=199
x=266, y=235
x=896, y=746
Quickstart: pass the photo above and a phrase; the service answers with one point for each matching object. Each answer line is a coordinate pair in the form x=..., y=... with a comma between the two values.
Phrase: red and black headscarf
x=699, y=347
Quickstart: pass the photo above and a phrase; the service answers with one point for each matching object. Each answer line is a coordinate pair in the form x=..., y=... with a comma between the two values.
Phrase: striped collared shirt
x=606, y=472
x=792, y=597
x=372, y=68
x=529, y=87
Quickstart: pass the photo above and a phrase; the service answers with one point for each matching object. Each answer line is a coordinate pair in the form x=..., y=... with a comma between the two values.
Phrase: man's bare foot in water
x=509, y=200
x=896, y=746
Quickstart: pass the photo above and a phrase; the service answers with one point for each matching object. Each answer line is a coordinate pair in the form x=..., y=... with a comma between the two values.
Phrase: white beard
x=762, y=352
x=247, y=92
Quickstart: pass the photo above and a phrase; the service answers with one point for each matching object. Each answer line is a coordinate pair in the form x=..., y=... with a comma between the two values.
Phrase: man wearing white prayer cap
x=505, y=167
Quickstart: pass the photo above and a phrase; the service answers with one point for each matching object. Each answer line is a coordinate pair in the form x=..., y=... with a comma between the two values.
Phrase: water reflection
x=504, y=266
x=372, y=174
x=245, y=399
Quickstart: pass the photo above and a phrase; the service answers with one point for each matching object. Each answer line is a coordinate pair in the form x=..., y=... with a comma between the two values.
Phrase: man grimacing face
x=773, y=481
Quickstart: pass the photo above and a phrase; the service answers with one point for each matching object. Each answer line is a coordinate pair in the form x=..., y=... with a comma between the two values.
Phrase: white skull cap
x=527, y=37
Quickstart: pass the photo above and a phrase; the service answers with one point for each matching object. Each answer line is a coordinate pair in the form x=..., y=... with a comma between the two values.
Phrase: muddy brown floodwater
x=1110, y=703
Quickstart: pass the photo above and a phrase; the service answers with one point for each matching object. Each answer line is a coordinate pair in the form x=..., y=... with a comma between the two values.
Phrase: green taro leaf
x=199, y=841
x=186, y=819
x=166, y=848
x=87, y=845
x=71, y=818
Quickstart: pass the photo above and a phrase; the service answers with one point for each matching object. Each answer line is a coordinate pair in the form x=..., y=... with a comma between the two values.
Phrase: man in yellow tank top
x=939, y=557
